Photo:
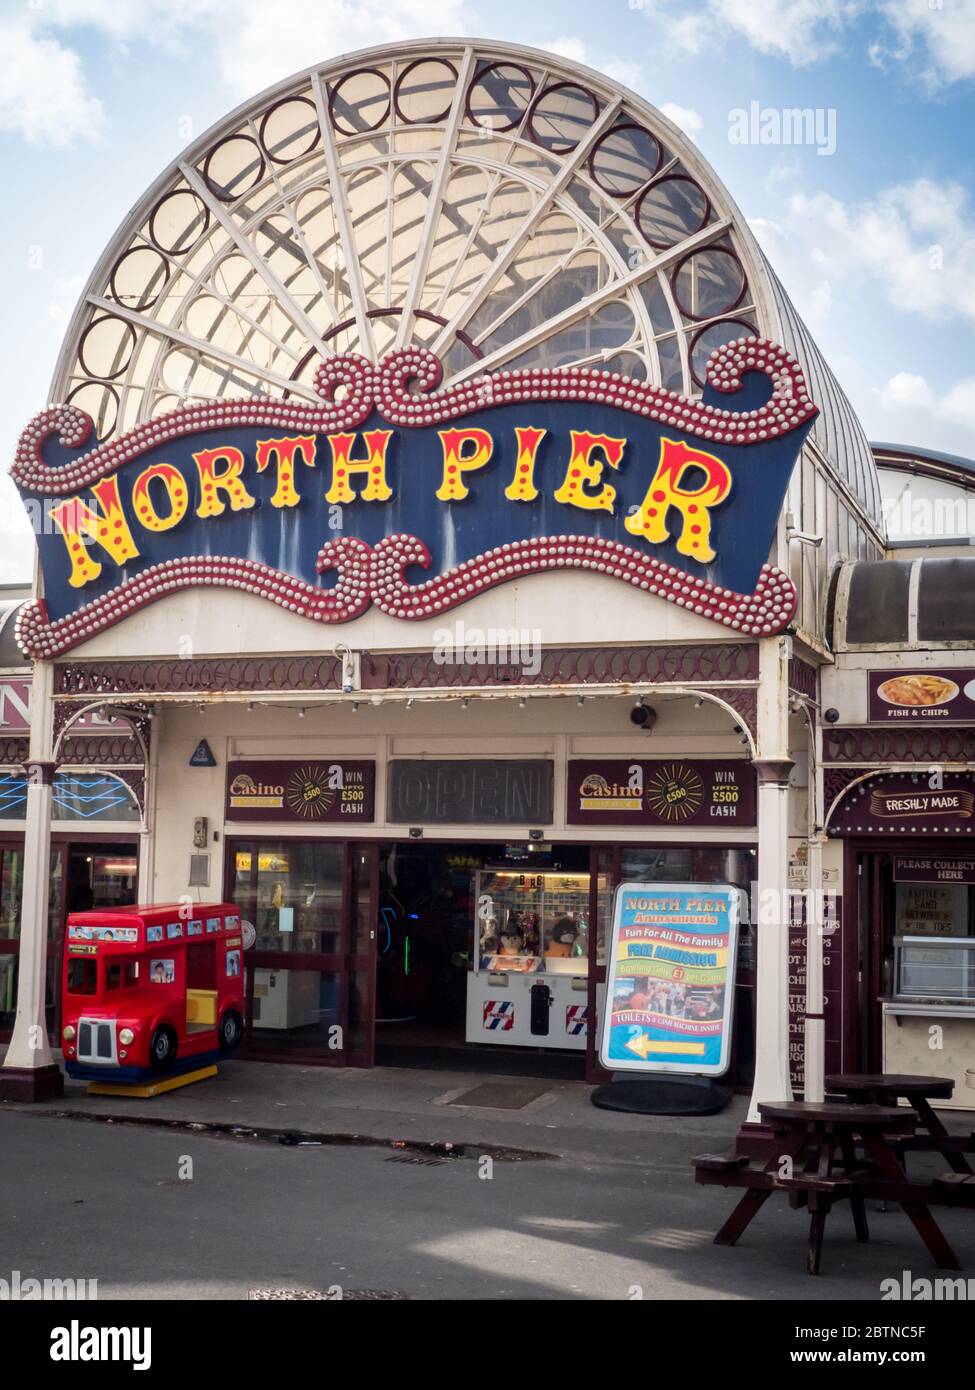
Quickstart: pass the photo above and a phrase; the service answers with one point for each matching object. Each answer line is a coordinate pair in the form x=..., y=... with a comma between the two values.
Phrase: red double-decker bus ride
x=151, y=990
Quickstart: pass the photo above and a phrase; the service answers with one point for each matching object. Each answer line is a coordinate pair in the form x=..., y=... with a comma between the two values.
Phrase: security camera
x=793, y=533
x=643, y=717
x=831, y=715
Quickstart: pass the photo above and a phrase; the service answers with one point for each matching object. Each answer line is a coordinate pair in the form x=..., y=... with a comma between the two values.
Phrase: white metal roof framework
x=496, y=204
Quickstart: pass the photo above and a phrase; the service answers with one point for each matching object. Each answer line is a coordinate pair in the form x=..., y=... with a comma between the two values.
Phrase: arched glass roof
x=499, y=205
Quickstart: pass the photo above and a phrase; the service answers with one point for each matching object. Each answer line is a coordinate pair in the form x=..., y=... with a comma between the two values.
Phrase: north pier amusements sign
x=393, y=492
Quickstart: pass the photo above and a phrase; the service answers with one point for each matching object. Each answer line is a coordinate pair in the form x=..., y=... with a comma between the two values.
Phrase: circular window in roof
x=360, y=101
x=561, y=116
x=139, y=277
x=424, y=91
x=100, y=401
x=709, y=282
x=178, y=221
x=715, y=335
x=233, y=168
x=106, y=347
x=672, y=209
x=499, y=96
x=290, y=129
x=624, y=159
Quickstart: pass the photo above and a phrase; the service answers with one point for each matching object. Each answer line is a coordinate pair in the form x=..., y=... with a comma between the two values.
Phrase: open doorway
x=429, y=934
x=101, y=876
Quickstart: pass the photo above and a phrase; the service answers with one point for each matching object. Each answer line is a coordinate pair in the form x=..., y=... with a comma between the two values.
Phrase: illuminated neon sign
x=328, y=508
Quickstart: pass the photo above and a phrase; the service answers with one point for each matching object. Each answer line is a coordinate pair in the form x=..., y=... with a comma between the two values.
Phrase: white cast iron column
x=773, y=765
x=29, y=1071
x=814, y=1040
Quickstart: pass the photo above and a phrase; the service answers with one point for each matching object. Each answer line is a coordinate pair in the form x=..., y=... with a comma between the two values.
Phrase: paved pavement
x=614, y=1214
x=426, y=1106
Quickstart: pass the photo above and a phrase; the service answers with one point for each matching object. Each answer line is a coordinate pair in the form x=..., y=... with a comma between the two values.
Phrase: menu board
x=662, y=791
x=940, y=696
x=832, y=985
x=932, y=909
x=670, y=986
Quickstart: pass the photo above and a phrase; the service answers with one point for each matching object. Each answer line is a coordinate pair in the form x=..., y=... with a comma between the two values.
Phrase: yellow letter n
x=694, y=504
x=106, y=527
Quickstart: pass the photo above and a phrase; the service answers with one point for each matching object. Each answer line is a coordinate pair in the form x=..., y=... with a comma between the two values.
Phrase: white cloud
x=43, y=93
x=689, y=121
x=915, y=241
x=935, y=36
x=254, y=50
x=801, y=30
x=943, y=33
x=959, y=405
x=907, y=410
x=800, y=270
x=906, y=388
x=568, y=47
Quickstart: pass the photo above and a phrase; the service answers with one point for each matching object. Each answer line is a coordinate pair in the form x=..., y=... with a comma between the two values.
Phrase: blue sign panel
x=415, y=499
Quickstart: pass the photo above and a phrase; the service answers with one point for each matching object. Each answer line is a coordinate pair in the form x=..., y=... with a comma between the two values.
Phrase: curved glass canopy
x=496, y=204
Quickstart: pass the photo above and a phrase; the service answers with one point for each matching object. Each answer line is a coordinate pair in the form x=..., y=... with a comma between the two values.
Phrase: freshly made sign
x=327, y=508
x=909, y=804
x=670, y=985
x=660, y=791
x=304, y=791
x=941, y=696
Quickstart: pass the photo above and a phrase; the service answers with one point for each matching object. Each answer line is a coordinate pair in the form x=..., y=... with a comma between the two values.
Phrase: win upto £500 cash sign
x=670, y=984
x=328, y=508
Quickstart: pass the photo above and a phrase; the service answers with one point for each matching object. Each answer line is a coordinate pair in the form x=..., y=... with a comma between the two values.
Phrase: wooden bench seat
x=720, y=1163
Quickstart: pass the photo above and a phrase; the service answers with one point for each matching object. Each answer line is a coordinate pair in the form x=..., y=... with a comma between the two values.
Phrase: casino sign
x=326, y=509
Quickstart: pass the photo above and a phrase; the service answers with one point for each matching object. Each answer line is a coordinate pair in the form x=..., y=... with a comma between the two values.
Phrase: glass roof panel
x=542, y=215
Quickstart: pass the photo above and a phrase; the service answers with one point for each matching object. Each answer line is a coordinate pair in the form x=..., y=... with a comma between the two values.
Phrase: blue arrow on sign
x=202, y=755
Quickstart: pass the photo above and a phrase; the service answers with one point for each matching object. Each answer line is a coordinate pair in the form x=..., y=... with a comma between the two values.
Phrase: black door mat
x=501, y=1095
x=506, y=1061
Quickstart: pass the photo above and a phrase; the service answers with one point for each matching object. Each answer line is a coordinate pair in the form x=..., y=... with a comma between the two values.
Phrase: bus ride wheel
x=231, y=1030
x=162, y=1048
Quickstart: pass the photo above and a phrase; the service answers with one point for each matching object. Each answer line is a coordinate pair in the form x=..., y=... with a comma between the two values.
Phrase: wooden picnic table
x=886, y=1088
x=809, y=1137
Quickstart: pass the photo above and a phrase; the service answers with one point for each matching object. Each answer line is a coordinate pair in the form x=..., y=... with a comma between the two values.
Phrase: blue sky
x=875, y=242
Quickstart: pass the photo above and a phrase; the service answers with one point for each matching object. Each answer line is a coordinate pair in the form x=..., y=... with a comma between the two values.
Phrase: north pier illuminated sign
x=328, y=508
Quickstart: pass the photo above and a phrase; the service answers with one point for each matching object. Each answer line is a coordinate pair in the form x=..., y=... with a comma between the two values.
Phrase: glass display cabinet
x=530, y=959
x=934, y=968
x=929, y=1019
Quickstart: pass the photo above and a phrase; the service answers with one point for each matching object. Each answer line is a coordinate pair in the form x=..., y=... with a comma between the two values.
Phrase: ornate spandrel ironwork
x=867, y=745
